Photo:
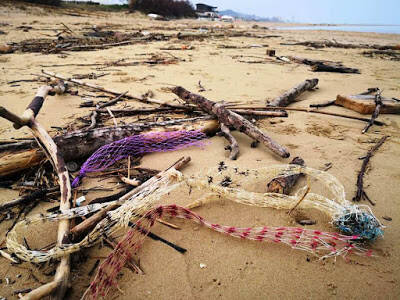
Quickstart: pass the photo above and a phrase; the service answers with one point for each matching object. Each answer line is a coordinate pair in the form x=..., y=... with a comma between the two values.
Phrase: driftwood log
x=283, y=185
x=333, y=68
x=59, y=285
x=82, y=143
x=229, y=118
x=361, y=194
x=290, y=96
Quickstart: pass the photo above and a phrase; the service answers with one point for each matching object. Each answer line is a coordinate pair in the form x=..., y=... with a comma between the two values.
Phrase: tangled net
x=137, y=145
x=357, y=223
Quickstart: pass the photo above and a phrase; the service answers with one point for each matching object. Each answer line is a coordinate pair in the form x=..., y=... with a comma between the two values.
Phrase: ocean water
x=393, y=29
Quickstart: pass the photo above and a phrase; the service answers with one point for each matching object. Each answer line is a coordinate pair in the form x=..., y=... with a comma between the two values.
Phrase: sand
x=235, y=269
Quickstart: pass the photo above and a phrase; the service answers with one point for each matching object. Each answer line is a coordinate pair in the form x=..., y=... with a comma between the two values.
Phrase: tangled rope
x=357, y=223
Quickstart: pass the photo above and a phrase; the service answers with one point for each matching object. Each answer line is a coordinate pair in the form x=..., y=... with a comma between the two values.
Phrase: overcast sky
x=313, y=11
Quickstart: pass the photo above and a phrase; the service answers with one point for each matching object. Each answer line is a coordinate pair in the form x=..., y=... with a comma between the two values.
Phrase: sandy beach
x=232, y=268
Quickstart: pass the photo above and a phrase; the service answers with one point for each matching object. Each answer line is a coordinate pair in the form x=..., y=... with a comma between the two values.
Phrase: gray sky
x=313, y=11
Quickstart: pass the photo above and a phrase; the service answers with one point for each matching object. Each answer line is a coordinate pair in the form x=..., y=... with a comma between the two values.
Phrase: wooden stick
x=298, y=203
x=59, y=284
x=230, y=118
x=361, y=194
x=234, y=146
x=27, y=198
x=375, y=114
x=290, y=96
x=315, y=111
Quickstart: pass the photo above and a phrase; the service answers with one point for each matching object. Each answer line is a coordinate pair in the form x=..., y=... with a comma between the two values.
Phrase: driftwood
x=361, y=194
x=290, y=96
x=82, y=143
x=315, y=111
x=37, y=195
x=365, y=104
x=234, y=146
x=375, y=114
x=316, y=44
x=283, y=185
x=332, y=68
x=320, y=65
x=60, y=283
x=230, y=118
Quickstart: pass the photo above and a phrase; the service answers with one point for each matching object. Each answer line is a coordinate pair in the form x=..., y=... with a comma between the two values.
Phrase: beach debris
x=329, y=44
x=5, y=49
x=361, y=194
x=79, y=144
x=270, y=52
x=332, y=68
x=375, y=114
x=231, y=119
x=320, y=65
x=290, y=96
x=313, y=241
x=203, y=266
x=387, y=218
x=283, y=185
x=138, y=145
x=365, y=104
x=60, y=282
x=383, y=54
x=308, y=110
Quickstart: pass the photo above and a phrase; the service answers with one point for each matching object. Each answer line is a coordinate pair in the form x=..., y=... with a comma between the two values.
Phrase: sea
x=390, y=29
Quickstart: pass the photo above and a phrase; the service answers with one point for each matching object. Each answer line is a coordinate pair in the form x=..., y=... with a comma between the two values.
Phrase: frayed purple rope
x=137, y=145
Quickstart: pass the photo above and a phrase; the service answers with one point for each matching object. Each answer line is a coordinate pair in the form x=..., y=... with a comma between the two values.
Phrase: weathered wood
x=365, y=104
x=290, y=96
x=361, y=194
x=234, y=146
x=283, y=185
x=230, y=118
x=60, y=282
x=315, y=111
x=332, y=68
x=40, y=194
x=375, y=114
x=82, y=143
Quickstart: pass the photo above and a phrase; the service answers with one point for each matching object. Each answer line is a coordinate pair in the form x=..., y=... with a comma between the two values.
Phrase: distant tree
x=48, y=2
x=166, y=8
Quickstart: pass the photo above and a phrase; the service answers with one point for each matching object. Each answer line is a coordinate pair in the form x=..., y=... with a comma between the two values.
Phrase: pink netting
x=137, y=145
x=314, y=241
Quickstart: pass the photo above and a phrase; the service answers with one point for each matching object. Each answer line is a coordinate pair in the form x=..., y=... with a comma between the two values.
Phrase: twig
x=361, y=194
x=375, y=114
x=298, y=202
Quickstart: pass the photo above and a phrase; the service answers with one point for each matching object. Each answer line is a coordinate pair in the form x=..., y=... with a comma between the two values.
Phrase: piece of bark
x=283, y=185
x=230, y=118
x=82, y=143
x=290, y=96
x=365, y=104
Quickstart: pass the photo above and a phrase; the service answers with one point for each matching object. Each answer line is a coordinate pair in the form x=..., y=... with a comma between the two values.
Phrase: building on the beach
x=206, y=11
